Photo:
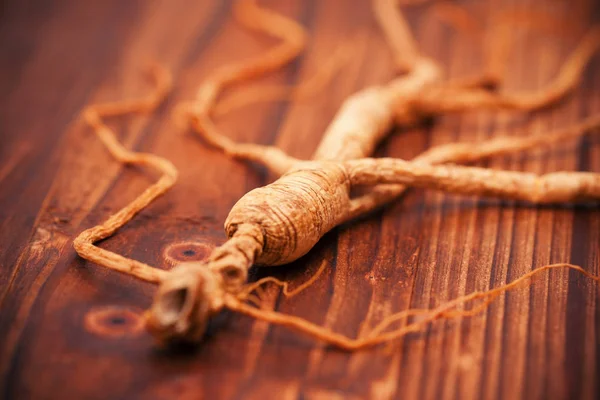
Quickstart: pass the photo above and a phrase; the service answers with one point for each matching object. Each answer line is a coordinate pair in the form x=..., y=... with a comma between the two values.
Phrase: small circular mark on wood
x=118, y=320
x=114, y=322
x=177, y=253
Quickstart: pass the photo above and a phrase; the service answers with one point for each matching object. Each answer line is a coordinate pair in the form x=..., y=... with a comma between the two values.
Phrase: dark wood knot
x=114, y=322
x=177, y=253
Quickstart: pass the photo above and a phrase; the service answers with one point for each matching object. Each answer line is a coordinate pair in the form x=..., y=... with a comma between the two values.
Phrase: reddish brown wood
x=69, y=329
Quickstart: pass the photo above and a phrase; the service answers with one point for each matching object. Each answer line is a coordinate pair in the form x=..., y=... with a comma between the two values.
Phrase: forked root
x=84, y=243
x=556, y=187
x=293, y=40
x=255, y=286
x=276, y=160
x=447, y=99
x=468, y=152
x=302, y=91
x=380, y=333
x=281, y=222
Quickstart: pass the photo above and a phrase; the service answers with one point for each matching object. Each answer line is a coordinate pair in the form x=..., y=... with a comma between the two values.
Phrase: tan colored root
x=366, y=117
x=291, y=214
x=293, y=42
x=302, y=91
x=275, y=159
x=84, y=243
x=487, y=297
x=461, y=153
x=553, y=187
x=440, y=100
x=254, y=286
x=458, y=153
x=271, y=157
x=449, y=99
x=281, y=222
x=378, y=334
x=249, y=14
x=285, y=219
x=497, y=40
x=203, y=286
x=278, y=209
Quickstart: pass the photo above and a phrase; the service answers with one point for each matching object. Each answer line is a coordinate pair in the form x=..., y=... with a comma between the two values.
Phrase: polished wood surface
x=71, y=329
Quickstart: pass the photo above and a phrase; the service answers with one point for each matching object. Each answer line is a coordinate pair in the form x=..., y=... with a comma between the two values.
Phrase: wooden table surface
x=70, y=329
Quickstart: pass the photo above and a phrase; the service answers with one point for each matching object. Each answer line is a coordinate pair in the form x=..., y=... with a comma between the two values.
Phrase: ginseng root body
x=271, y=225
x=280, y=222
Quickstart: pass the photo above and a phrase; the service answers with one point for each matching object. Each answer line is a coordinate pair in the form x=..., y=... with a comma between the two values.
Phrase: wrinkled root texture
x=280, y=222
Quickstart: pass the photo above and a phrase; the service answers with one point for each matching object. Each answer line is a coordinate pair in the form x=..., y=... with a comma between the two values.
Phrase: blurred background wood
x=69, y=329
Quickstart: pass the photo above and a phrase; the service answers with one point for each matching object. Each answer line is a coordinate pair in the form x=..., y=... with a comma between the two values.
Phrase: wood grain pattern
x=68, y=327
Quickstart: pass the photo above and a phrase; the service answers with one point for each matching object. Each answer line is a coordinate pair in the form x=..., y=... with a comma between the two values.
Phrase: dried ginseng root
x=279, y=223
x=270, y=226
x=259, y=233
x=92, y=115
x=366, y=117
x=293, y=40
x=358, y=127
x=381, y=332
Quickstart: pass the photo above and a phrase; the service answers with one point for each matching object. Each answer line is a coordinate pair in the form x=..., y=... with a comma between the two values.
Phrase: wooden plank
x=70, y=329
